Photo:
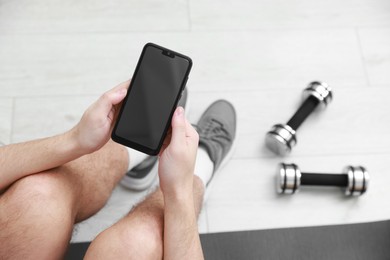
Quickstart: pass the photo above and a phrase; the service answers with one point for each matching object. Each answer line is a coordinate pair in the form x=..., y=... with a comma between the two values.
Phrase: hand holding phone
x=95, y=127
x=177, y=157
x=155, y=89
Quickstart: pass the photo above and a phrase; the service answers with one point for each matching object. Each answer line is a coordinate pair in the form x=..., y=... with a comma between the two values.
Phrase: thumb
x=178, y=127
x=115, y=96
x=118, y=96
x=110, y=98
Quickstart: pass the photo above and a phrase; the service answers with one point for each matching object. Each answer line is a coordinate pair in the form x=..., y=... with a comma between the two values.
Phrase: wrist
x=181, y=207
x=179, y=197
x=73, y=144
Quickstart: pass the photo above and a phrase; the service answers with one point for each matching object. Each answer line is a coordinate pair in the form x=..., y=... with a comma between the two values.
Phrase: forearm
x=90, y=134
x=181, y=237
x=22, y=159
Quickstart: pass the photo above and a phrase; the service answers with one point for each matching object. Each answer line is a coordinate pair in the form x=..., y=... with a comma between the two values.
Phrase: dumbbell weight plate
x=358, y=180
x=281, y=139
x=288, y=178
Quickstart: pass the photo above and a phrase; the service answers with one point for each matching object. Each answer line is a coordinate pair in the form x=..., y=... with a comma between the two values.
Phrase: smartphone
x=155, y=89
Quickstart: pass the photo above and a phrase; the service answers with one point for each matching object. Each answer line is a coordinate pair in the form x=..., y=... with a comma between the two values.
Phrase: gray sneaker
x=217, y=132
x=141, y=176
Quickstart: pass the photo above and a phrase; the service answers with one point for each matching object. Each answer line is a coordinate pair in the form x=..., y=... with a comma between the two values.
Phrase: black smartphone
x=155, y=89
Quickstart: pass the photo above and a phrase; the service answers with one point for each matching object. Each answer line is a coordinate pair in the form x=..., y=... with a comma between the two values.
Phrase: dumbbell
x=354, y=179
x=281, y=138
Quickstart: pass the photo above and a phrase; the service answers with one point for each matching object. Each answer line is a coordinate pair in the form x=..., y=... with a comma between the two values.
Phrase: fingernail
x=122, y=91
x=180, y=111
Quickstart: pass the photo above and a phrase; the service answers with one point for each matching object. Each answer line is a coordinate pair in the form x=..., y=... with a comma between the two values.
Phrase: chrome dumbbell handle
x=303, y=112
x=355, y=179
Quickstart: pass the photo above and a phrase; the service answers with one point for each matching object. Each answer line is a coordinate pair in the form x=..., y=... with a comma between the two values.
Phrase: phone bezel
x=138, y=146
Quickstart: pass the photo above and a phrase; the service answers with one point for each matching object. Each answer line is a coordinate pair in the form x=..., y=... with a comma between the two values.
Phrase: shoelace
x=215, y=131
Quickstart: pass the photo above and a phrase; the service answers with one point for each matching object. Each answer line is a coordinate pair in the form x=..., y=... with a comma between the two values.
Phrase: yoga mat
x=350, y=241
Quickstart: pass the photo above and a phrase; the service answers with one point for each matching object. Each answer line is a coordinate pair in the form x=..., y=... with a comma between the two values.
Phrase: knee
x=35, y=217
x=198, y=184
x=199, y=188
x=127, y=242
x=144, y=237
x=39, y=193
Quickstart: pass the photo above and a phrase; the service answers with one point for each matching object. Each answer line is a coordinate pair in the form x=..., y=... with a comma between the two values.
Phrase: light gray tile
x=274, y=59
x=203, y=222
x=6, y=108
x=43, y=117
x=255, y=14
x=59, y=16
x=89, y=64
x=375, y=44
x=64, y=64
x=354, y=123
x=244, y=196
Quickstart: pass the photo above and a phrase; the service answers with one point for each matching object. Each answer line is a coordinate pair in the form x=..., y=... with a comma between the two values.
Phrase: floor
x=56, y=57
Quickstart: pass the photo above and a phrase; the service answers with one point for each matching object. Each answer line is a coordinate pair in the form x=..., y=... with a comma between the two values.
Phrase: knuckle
x=105, y=97
x=196, y=136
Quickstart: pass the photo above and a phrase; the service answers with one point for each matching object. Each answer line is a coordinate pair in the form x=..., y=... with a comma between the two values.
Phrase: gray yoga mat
x=351, y=241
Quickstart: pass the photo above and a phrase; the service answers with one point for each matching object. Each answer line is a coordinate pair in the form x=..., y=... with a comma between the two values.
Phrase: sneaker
x=217, y=132
x=141, y=176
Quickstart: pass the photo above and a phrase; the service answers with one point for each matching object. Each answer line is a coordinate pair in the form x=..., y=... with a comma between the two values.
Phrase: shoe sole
x=140, y=184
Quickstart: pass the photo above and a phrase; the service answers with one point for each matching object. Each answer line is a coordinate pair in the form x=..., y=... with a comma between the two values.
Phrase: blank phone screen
x=153, y=92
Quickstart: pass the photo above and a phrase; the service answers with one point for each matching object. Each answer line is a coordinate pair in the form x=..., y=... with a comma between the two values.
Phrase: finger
x=178, y=127
x=111, y=114
x=119, y=89
x=191, y=133
x=190, y=130
x=118, y=93
x=167, y=141
x=124, y=84
x=112, y=97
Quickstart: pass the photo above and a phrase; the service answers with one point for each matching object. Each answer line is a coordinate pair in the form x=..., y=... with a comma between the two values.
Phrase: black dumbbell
x=354, y=179
x=281, y=138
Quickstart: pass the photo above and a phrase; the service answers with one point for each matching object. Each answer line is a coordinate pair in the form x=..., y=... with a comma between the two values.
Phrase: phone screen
x=153, y=94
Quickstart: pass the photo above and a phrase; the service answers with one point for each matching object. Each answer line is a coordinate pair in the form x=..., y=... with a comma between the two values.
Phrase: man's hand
x=176, y=171
x=177, y=157
x=95, y=127
x=90, y=134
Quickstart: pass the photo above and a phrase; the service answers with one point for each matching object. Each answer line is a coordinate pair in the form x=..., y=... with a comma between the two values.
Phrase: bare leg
x=37, y=212
x=139, y=235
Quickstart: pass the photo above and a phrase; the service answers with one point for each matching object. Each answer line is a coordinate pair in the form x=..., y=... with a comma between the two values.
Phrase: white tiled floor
x=58, y=56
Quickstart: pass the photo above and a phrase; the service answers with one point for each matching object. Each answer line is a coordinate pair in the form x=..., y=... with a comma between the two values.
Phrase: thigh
x=138, y=235
x=94, y=176
x=36, y=218
x=37, y=212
